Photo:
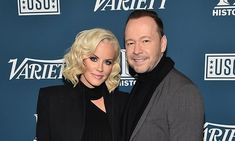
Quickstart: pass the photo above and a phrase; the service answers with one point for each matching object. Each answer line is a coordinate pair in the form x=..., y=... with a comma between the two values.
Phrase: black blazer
x=61, y=113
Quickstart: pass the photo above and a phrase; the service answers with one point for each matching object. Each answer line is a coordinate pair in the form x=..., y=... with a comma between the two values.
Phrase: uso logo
x=219, y=67
x=38, y=7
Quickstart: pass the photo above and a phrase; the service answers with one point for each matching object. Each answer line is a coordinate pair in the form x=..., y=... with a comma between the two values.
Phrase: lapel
x=144, y=115
x=75, y=114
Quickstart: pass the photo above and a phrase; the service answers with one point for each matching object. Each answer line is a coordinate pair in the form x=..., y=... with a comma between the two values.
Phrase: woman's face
x=98, y=66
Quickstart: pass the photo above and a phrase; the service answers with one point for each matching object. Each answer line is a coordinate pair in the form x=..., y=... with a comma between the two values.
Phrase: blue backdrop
x=36, y=33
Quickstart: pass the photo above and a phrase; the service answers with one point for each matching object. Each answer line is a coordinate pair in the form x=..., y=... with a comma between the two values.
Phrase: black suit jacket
x=61, y=113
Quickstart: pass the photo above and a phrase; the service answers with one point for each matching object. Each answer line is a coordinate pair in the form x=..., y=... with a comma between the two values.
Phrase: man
x=164, y=104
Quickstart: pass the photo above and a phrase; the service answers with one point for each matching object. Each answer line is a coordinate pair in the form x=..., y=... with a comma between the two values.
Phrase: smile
x=139, y=60
x=98, y=76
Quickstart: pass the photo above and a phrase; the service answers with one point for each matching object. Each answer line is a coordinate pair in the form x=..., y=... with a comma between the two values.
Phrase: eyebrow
x=129, y=40
x=142, y=37
x=104, y=59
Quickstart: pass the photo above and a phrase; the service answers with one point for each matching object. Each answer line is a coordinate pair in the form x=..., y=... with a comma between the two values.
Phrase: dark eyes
x=108, y=62
x=95, y=59
x=146, y=41
x=129, y=43
x=132, y=43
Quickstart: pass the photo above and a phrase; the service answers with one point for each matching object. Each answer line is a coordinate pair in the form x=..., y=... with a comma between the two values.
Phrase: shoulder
x=56, y=89
x=176, y=75
x=182, y=93
x=181, y=85
x=176, y=79
x=53, y=88
x=54, y=92
x=59, y=96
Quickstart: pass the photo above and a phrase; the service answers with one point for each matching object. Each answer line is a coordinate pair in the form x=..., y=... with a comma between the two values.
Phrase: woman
x=87, y=107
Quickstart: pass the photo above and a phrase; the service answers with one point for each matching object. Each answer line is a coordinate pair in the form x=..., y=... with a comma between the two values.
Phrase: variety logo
x=36, y=69
x=219, y=67
x=224, y=8
x=219, y=132
x=112, y=5
x=38, y=7
x=52, y=69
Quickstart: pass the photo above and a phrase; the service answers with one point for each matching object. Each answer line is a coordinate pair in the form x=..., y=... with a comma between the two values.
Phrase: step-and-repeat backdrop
x=34, y=35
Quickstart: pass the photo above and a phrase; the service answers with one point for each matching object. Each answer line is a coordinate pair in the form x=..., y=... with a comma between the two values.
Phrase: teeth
x=138, y=60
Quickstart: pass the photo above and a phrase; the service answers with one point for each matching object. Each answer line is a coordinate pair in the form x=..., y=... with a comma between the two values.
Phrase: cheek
x=128, y=55
x=152, y=56
x=88, y=65
x=88, y=69
x=128, y=51
x=108, y=70
x=154, y=53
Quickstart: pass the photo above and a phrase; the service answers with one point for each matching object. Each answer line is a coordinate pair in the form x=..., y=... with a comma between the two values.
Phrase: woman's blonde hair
x=84, y=45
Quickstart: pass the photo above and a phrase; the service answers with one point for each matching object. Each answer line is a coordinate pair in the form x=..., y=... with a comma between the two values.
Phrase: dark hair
x=142, y=13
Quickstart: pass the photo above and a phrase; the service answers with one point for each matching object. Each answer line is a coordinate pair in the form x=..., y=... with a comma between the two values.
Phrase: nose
x=100, y=66
x=137, y=49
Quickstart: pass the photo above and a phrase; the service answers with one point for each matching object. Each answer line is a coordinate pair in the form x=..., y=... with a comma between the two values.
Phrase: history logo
x=224, y=8
x=126, y=79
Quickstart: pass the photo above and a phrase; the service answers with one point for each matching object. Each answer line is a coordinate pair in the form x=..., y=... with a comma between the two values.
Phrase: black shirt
x=97, y=126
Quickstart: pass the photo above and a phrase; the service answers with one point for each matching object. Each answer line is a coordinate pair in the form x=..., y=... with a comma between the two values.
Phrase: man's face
x=144, y=45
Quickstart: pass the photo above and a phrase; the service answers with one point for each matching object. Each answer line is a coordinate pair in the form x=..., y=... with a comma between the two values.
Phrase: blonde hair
x=85, y=44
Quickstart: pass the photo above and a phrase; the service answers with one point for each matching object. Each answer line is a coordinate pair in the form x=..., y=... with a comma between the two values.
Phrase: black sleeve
x=42, y=127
